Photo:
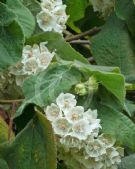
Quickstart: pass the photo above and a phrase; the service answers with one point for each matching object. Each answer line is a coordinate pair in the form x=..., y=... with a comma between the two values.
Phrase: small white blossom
x=46, y=21
x=95, y=149
x=61, y=126
x=53, y=112
x=75, y=114
x=91, y=116
x=81, y=129
x=66, y=102
x=36, y=58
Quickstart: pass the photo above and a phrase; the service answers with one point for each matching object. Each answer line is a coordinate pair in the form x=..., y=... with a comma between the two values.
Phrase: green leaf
x=4, y=130
x=6, y=15
x=118, y=125
x=112, y=46
x=56, y=41
x=45, y=87
x=33, y=148
x=11, y=44
x=3, y=164
x=76, y=11
x=125, y=10
x=113, y=82
x=128, y=162
x=24, y=16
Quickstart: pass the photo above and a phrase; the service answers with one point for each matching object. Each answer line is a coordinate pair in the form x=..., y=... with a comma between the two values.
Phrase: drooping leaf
x=118, y=125
x=113, y=82
x=24, y=16
x=128, y=162
x=11, y=38
x=56, y=41
x=112, y=46
x=4, y=131
x=11, y=42
x=33, y=148
x=125, y=10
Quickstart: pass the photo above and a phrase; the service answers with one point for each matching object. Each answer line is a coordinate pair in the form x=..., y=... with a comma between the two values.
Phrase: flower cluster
x=79, y=142
x=53, y=16
x=36, y=58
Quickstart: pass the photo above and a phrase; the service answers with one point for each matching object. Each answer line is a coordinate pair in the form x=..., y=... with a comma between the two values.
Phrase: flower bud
x=92, y=84
x=81, y=89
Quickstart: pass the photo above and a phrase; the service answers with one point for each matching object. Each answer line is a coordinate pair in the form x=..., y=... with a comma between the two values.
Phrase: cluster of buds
x=36, y=58
x=88, y=87
x=79, y=143
x=53, y=16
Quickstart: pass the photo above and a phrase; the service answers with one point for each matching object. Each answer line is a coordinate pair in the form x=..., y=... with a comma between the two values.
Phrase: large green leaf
x=118, y=125
x=56, y=41
x=24, y=16
x=114, y=47
x=45, y=87
x=11, y=38
x=125, y=10
x=33, y=148
x=128, y=162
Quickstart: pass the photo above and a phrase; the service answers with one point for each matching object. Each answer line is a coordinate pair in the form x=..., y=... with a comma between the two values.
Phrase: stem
x=90, y=32
x=80, y=42
x=11, y=101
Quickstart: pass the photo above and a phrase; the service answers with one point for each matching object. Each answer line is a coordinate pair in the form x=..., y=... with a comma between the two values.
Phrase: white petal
x=53, y=112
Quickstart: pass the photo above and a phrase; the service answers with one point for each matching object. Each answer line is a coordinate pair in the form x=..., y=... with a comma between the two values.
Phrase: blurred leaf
x=125, y=10
x=118, y=125
x=3, y=164
x=33, y=6
x=24, y=16
x=112, y=46
x=128, y=162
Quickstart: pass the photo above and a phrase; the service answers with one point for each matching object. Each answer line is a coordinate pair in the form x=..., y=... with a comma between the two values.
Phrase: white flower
x=75, y=114
x=95, y=149
x=107, y=140
x=61, y=126
x=66, y=101
x=36, y=58
x=112, y=157
x=91, y=116
x=30, y=66
x=53, y=16
x=53, y=112
x=81, y=129
x=46, y=21
x=47, y=5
